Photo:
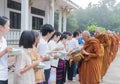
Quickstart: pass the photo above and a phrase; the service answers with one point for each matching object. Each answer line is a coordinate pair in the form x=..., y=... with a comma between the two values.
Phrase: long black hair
x=55, y=34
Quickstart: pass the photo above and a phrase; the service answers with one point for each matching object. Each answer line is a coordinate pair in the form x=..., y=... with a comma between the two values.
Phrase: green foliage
x=72, y=24
x=103, y=29
x=91, y=28
x=105, y=14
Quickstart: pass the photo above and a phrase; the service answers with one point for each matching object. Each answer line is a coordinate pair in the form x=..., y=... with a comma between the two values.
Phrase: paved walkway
x=113, y=74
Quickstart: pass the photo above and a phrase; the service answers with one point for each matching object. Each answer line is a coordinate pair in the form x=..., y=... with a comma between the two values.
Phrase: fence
x=13, y=37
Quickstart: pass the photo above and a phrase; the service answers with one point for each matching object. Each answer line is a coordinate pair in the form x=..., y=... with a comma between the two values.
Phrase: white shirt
x=68, y=47
x=74, y=43
x=52, y=45
x=43, y=50
x=21, y=61
x=3, y=61
x=61, y=45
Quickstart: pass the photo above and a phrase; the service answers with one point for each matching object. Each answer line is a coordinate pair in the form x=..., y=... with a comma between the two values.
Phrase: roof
x=67, y=3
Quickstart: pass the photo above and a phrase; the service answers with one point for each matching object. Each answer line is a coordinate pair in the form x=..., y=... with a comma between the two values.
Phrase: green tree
x=72, y=24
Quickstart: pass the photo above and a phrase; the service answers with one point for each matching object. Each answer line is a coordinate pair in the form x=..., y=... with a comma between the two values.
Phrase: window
x=37, y=11
x=37, y=23
x=13, y=5
x=15, y=20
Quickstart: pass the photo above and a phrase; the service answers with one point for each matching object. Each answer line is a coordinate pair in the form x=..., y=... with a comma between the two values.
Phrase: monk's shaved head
x=98, y=31
x=86, y=35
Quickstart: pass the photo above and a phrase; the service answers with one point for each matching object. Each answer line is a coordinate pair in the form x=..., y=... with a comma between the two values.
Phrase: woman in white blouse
x=24, y=72
x=62, y=63
x=52, y=43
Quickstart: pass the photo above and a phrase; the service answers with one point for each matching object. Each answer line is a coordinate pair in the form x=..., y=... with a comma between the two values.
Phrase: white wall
x=42, y=5
x=2, y=9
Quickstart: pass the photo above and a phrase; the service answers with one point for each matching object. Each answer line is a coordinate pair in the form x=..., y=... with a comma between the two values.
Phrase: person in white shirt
x=62, y=63
x=75, y=45
x=4, y=28
x=69, y=47
x=52, y=43
x=43, y=49
x=24, y=63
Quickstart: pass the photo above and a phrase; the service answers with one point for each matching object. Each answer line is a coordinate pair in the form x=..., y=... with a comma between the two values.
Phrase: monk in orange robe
x=116, y=45
x=119, y=38
x=89, y=68
x=112, y=47
x=105, y=40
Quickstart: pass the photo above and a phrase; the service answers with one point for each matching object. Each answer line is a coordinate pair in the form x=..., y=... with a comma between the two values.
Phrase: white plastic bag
x=54, y=62
x=52, y=79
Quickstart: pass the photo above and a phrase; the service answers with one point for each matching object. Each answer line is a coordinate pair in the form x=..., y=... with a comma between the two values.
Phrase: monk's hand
x=84, y=52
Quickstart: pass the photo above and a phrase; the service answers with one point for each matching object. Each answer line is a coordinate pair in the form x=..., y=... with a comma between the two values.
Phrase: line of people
x=36, y=48
x=52, y=48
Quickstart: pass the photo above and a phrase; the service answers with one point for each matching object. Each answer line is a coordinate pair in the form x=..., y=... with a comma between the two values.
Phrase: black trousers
x=3, y=82
x=69, y=70
x=47, y=75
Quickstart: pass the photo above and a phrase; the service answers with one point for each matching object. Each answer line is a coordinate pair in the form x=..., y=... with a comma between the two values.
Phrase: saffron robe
x=105, y=40
x=112, y=48
x=89, y=69
x=117, y=44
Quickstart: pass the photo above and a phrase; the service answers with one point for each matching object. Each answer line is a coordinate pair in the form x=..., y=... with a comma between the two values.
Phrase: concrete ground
x=113, y=74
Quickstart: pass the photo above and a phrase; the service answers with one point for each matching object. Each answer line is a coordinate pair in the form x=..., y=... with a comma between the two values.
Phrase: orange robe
x=90, y=68
x=116, y=45
x=105, y=40
x=101, y=60
x=112, y=48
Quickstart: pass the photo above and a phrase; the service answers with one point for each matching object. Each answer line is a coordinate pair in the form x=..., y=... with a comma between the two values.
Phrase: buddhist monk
x=105, y=40
x=112, y=47
x=89, y=68
x=116, y=44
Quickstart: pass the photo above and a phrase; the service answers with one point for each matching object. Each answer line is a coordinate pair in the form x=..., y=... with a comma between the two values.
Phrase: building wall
x=2, y=9
x=13, y=35
x=43, y=5
x=39, y=4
